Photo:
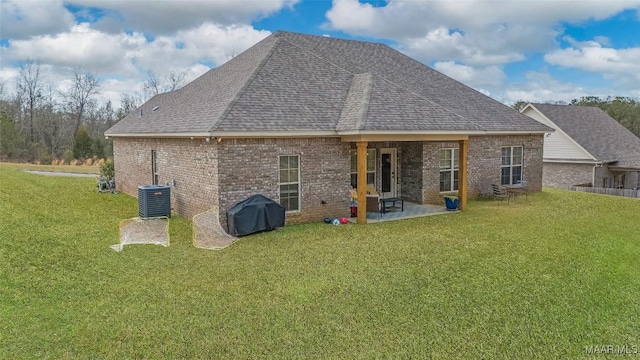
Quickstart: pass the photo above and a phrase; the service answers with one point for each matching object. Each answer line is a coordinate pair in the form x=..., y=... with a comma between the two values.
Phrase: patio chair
x=500, y=192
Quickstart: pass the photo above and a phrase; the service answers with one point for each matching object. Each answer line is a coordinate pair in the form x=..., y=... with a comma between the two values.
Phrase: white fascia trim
x=297, y=133
x=232, y=134
x=161, y=135
x=586, y=161
x=438, y=132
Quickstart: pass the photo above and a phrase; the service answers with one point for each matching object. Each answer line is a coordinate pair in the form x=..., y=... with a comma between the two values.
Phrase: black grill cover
x=255, y=214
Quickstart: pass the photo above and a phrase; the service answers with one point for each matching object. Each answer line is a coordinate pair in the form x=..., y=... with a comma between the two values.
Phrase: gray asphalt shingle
x=596, y=131
x=296, y=82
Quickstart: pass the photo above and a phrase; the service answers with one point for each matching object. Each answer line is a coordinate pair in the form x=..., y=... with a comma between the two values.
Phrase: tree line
x=40, y=123
x=624, y=110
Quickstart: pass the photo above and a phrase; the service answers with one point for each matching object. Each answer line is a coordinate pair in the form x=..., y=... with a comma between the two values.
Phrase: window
x=371, y=167
x=290, y=182
x=449, y=170
x=154, y=168
x=511, y=168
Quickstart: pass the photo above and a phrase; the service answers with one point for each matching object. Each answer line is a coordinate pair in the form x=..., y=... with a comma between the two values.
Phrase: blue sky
x=554, y=50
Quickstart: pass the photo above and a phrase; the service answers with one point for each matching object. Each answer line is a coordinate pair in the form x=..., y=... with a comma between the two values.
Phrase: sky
x=511, y=50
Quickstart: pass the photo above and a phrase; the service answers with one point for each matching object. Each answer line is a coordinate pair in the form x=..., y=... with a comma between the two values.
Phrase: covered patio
x=412, y=209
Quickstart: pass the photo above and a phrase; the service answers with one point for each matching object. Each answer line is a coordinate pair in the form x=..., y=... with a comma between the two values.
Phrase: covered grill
x=254, y=214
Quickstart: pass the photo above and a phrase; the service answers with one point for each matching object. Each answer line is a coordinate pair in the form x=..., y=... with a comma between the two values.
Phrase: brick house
x=588, y=147
x=302, y=119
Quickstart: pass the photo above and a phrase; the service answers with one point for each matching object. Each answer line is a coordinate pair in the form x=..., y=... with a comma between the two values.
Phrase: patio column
x=362, y=181
x=462, y=173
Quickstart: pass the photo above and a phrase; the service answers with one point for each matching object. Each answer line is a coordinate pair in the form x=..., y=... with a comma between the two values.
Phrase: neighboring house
x=302, y=119
x=588, y=147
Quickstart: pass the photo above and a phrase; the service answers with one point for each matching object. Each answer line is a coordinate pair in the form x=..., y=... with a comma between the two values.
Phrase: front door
x=388, y=172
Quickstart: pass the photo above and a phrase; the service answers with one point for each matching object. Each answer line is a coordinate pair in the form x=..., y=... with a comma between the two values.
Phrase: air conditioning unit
x=154, y=201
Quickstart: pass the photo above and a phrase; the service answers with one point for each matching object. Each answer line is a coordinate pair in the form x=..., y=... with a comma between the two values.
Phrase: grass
x=537, y=279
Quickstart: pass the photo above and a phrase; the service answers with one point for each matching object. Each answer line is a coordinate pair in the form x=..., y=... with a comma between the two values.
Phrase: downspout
x=593, y=176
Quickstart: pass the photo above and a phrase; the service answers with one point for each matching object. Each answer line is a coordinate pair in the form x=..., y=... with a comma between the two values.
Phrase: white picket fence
x=618, y=192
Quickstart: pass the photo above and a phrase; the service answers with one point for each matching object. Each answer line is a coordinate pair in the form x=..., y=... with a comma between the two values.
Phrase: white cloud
x=81, y=46
x=220, y=43
x=474, y=32
x=127, y=56
x=25, y=18
x=8, y=74
x=486, y=77
x=619, y=65
x=542, y=87
x=165, y=16
x=111, y=89
x=443, y=44
x=207, y=42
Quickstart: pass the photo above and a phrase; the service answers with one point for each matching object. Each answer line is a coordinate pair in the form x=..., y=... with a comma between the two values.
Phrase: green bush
x=98, y=148
x=83, y=144
x=45, y=158
x=68, y=156
x=107, y=169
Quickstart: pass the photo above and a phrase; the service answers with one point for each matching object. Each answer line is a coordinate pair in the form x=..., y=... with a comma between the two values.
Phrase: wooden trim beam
x=404, y=137
x=362, y=181
x=462, y=173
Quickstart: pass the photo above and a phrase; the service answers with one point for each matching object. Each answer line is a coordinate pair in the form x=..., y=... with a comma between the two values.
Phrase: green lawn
x=537, y=279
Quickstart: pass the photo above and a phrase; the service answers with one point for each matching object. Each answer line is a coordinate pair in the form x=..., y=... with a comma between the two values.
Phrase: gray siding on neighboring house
x=565, y=175
x=602, y=173
x=632, y=179
x=613, y=177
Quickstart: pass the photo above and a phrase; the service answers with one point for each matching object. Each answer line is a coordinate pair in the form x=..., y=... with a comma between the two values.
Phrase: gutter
x=305, y=133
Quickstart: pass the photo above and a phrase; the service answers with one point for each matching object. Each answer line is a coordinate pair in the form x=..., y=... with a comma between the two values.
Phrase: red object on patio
x=354, y=210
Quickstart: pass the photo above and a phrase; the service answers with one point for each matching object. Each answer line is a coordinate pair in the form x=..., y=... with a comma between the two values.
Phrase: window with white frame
x=290, y=182
x=371, y=167
x=448, y=170
x=511, y=168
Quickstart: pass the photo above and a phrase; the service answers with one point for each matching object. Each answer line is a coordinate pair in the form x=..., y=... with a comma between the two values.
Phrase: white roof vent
x=155, y=108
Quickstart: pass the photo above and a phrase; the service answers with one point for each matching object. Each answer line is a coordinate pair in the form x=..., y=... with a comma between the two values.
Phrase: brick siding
x=565, y=175
x=484, y=160
x=212, y=174
x=250, y=166
x=221, y=174
x=192, y=164
x=411, y=171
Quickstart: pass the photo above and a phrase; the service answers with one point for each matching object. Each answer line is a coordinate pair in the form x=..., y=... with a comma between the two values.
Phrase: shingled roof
x=598, y=133
x=295, y=84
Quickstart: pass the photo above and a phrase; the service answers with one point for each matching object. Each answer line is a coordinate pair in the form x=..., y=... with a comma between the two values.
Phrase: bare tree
x=53, y=126
x=80, y=96
x=175, y=80
x=128, y=104
x=3, y=90
x=30, y=85
x=154, y=85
